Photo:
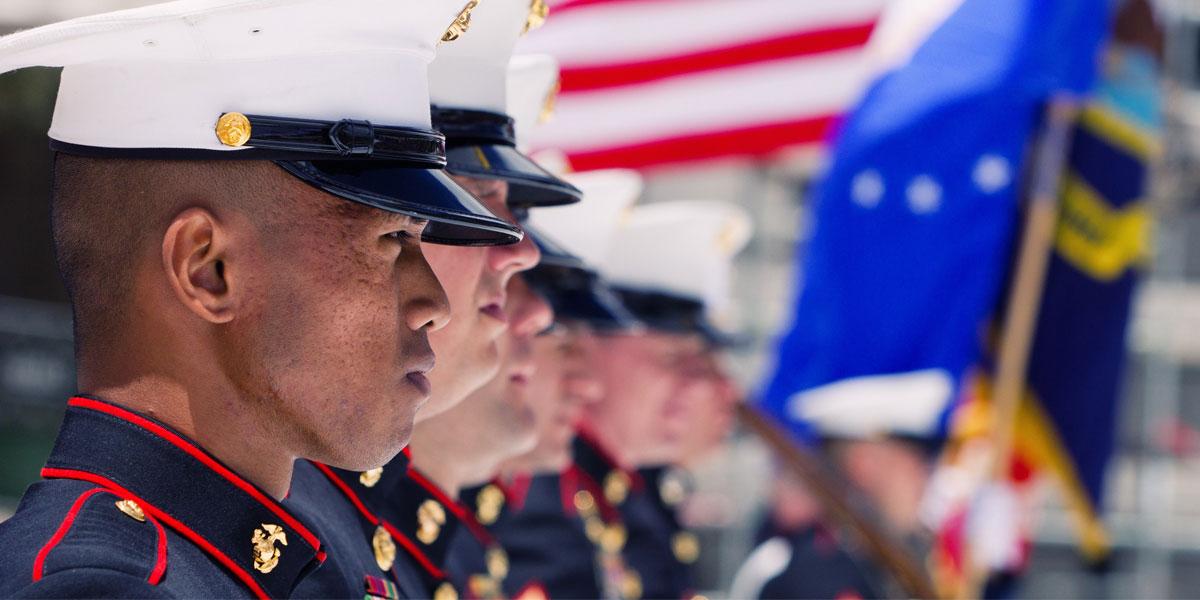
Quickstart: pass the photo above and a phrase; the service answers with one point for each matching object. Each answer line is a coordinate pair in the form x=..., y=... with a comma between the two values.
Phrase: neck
x=215, y=417
x=452, y=468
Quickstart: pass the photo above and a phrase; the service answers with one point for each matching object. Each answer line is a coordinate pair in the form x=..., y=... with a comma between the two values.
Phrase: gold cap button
x=233, y=129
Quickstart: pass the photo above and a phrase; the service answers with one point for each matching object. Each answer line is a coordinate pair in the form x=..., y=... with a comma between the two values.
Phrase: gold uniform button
x=594, y=528
x=616, y=486
x=385, y=548
x=445, y=592
x=613, y=538
x=266, y=554
x=488, y=504
x=631, y=586
x=131, y=510
x=497, y=563
x=430, y=518
x=584, y=502
x=370, y=477
x=686, y=547
x=233, y=129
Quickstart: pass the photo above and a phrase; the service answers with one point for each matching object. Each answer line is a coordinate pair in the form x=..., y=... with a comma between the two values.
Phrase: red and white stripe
x=648, y=82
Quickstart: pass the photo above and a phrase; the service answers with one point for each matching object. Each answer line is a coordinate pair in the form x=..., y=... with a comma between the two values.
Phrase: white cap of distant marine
x=159, y=76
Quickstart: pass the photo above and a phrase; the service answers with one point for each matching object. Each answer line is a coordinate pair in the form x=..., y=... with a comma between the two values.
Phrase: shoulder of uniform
x=103, y=533
x=91, y=582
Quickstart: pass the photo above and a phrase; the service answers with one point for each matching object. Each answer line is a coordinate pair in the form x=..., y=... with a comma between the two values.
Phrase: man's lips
x=494, y=310
x=420, y=381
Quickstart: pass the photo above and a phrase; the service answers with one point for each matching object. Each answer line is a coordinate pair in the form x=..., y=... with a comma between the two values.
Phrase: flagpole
x=833, y=496
x=1025, y=293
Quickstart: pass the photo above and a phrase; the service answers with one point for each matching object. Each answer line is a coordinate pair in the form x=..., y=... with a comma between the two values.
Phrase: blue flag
x=915, y=219
x=1068, y=425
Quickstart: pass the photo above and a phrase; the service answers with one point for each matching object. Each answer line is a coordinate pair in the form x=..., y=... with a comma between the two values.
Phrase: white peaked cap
x=532, y=85
x=160, y=76
x=586, y=228
x=684, y=248
x=908, y=404
x=472, y=73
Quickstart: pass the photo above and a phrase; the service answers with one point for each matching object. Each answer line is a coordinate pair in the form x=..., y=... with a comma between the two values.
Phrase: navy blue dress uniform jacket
x=659, y=548
x=535, y=521
x=130, y=508
x=370, y=555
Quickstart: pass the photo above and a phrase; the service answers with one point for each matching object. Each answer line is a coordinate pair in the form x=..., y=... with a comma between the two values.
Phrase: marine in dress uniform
x=881, y=434
x=562, y=540
x=130, y=505
x=468, y=95
x=670, y=264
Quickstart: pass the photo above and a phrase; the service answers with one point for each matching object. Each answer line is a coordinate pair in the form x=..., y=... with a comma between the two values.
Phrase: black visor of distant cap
x=482, y=144
x=670, y=313
x=575, y=292
x=397, y=169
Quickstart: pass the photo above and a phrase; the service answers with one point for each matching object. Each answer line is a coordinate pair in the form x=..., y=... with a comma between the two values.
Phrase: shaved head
x=108, y=214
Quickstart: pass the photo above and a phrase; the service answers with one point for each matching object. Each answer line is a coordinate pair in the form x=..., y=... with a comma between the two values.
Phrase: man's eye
x=402, y=235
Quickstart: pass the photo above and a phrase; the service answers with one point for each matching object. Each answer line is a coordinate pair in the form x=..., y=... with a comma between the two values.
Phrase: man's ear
x=194, y=250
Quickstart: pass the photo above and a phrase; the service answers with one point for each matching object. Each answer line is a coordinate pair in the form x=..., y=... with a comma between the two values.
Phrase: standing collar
x=242, y=528
x=599, y=465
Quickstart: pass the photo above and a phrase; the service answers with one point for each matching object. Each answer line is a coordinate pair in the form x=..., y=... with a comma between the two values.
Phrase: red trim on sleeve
x=39, y=563
x=172, y=522
x=203, y=457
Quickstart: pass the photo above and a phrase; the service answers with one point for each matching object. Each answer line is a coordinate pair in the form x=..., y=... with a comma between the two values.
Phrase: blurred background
x=748, y=126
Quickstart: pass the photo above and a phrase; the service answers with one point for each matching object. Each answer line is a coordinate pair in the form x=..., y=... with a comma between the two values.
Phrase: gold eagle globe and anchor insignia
x=384, y=547
x=538, y=11
x=461, y=23
x=430, y=518
x=266, y=554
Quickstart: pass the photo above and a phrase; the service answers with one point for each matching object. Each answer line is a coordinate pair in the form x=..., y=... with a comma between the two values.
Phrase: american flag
x=651, y=82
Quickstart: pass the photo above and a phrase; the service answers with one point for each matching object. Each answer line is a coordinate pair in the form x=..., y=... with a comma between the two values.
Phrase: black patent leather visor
x=669, y=313
x=455, y=217
x=529, y=185
x=575, y=292
x=482, y=144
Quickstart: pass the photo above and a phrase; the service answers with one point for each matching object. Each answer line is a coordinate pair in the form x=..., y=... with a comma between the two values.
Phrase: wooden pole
x=1025, y=292
x=834, y=498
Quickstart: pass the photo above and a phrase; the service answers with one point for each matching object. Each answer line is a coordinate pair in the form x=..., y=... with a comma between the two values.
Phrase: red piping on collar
x=172, y=522
x=396, y=534
x=591, y=439
x=437, y=493
x=608, y=512
x=206, y=460
x=515, y=491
